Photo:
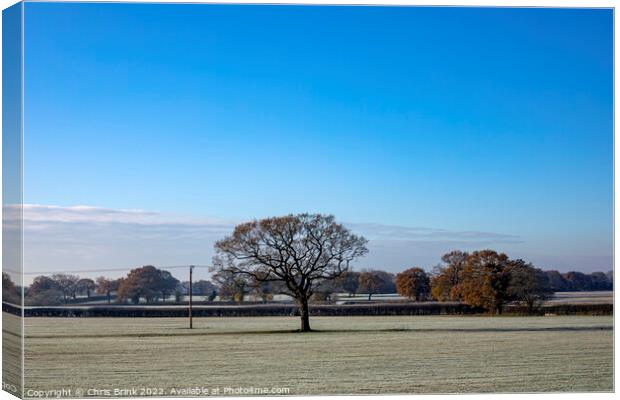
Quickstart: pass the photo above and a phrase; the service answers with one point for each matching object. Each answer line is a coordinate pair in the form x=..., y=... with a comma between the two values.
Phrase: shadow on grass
x=203, y=332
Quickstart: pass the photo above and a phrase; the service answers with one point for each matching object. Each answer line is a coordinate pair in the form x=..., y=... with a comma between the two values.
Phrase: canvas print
x=283, y=200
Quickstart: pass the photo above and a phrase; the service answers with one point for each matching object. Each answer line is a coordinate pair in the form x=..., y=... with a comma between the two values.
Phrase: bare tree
x=370, y=282
x=200, y=288
x=107, y=286
x=67, y=284
x=86, y=286
x=232, y=286
x=349, y=282
x=262, y=290
x=10, y=292
x=44, y=291
x=299, y=250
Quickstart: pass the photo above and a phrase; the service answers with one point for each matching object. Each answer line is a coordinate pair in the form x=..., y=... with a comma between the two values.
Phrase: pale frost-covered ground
x=436, y=354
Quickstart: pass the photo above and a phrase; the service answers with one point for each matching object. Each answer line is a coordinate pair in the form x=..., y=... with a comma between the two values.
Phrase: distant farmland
x=350, y=355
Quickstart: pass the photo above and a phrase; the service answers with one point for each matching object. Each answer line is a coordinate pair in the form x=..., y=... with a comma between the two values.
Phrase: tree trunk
x=530, y=307
x=369, y=296
x=109, y=298
x=304, y=312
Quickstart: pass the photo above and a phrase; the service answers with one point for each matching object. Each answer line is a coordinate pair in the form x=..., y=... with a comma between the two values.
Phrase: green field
x=346, y=355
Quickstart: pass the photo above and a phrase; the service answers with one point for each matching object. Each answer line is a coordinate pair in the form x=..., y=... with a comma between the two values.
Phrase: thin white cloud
x=394, y=232
x=79, y=238
x=38, y=213
x=37, y=216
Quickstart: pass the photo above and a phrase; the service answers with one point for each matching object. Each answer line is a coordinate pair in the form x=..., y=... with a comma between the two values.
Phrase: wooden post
x=191, y=269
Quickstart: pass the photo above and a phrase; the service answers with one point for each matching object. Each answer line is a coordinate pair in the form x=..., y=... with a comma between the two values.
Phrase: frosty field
x=345, y=355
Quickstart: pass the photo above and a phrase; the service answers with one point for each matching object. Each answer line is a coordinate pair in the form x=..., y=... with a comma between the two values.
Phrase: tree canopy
x=413, y=283
x=300, y=251
x=370, y=282
x=148, y=283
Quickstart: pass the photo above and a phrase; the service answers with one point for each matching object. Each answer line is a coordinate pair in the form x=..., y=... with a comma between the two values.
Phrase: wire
x=106, y=270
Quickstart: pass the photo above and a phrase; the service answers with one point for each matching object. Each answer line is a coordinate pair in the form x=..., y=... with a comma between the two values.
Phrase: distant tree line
x=578, y=281
x=308, y=257
x=484, y=279
x=490, y=280
x=11, y=293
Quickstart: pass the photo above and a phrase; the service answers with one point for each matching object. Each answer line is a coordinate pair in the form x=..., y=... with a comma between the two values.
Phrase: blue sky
x=493, y=121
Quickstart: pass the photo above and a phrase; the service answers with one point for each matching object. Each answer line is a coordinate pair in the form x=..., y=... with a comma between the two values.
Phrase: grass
x=11, y=353
x=345, y=355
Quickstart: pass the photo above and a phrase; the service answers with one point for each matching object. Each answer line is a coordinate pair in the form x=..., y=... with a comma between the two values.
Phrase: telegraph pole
x=191, y=269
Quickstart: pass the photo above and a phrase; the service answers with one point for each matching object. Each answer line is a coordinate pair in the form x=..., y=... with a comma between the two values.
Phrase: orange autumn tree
x=414, y=284
x=485, y=280
x=488, y=279
x=107, y=286
x=148, y=283
x=445, y=281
